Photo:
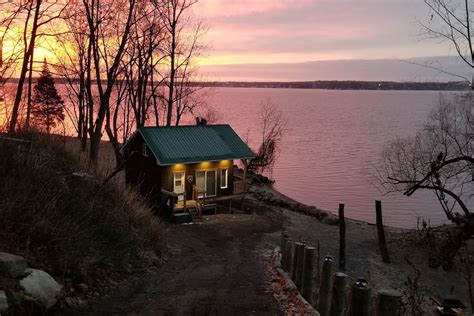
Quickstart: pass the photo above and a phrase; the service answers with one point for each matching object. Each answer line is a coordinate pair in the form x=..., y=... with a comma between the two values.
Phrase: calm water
x=333, y=142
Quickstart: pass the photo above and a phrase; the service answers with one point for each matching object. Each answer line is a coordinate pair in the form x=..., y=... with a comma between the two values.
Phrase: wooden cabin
x=184, y=169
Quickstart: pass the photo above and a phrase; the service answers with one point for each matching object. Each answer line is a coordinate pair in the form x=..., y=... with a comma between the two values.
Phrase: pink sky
x=297, y=31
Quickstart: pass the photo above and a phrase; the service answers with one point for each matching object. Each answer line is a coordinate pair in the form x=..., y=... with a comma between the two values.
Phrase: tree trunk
x=24, y=70
x=30, y=83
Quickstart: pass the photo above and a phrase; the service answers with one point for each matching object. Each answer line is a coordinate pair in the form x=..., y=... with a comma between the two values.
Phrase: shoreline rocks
x=11, y=265
x=270, y=198
x=41, y=286
x=40, y=290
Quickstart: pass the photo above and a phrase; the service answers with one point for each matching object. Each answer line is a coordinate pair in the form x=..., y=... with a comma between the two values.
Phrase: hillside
x=88, y=236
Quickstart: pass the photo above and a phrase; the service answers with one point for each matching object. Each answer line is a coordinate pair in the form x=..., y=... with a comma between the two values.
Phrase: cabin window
x=224, y=174
x=144, y=150
x=206, y=180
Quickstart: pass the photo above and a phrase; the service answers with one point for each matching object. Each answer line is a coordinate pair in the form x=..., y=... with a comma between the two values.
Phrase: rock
x=331, y=220
x=3, y=302
x=41, y=286
x=11, y=265
x=323, y=214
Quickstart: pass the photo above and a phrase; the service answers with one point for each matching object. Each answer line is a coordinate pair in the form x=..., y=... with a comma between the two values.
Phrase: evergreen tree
x=47, y=107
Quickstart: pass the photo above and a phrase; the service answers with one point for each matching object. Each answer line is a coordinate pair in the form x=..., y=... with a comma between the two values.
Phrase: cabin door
x=178, y=184
x=206, y=181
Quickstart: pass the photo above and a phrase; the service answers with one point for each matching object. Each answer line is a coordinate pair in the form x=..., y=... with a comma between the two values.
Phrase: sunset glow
x=265, y=32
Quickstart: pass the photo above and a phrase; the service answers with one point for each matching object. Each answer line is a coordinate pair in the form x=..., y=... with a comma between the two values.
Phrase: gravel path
x=218, y=269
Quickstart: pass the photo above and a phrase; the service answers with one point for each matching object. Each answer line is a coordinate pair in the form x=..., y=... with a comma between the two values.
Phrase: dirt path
x=218, y=269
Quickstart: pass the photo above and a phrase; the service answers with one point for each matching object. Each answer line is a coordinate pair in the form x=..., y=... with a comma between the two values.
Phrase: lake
x=334, y=140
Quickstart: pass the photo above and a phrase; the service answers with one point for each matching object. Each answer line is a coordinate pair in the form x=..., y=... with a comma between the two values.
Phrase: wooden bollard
x=361, y=298
x=325, y=286
x=294, y=263
x=307, y=284
x=283, y=235
x=283, y=252
x=389, y=303
x=289, y=256
x=342, y=238
x=338, y=300
x=381, y=232
x=299, y=265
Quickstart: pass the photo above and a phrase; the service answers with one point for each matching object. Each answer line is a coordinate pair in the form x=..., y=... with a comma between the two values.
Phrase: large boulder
x=3, y=302
x=41, y=286
x=11, y=265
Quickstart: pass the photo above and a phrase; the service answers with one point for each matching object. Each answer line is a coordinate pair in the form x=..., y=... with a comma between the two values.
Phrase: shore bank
x=420, y=247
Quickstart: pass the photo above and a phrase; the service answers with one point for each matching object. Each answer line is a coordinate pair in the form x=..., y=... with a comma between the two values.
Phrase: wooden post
x=338, y=301
x=289, y=256
x=299, y=265
x=307, y=285
x=283, y=234
x=283, y=251
x=381, y=233
x=389, y=303
x=184, y=201
x=294, y=265
x=342, y=238
x=245, y=163
x=361, y=298
x=325, y=287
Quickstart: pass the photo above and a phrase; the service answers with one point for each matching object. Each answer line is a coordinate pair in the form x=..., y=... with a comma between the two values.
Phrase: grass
x=73, y=227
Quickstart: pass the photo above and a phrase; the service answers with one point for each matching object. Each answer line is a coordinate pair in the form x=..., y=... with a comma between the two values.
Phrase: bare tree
x=33, y=15
x=439, y=158
x=274, y=125
x=72, y=65
x=450, y=21
x=183, y=43
x=109, y=25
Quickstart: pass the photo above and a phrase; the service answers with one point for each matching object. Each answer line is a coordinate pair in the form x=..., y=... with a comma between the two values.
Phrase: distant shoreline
x=348, y=85
x=327, y=85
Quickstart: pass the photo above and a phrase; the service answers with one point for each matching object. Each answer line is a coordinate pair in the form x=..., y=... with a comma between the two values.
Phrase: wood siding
x=144, y=173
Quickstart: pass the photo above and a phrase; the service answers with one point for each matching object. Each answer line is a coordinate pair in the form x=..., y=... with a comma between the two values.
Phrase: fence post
x=283, y=252
x=289, y=256
x=380, y=232
x=325, y=286
x=361, y=298
x=389, y=302
x=338, y=301
x=307, y=285
x=283, y=235
x=299, y=265
x=294, y=264
x=342, y=238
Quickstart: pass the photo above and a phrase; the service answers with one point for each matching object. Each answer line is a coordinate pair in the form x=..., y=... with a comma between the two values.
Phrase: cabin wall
x=142, y=171
x=190, y=171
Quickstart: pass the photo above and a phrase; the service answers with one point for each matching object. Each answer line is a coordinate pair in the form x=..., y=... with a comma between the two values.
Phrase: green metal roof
x=194, y=143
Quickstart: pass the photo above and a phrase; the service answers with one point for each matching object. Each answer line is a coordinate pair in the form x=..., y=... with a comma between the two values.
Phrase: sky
x=295, y=32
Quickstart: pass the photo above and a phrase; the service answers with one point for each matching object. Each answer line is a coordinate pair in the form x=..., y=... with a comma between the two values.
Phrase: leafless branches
x=274, y=125
x=439, y=158
x=450, y=21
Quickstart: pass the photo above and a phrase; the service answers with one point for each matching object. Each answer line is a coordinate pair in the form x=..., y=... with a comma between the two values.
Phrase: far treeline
x=351, y=85
x=330, y=85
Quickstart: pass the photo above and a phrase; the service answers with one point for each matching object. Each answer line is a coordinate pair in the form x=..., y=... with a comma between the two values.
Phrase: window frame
x=226, y=177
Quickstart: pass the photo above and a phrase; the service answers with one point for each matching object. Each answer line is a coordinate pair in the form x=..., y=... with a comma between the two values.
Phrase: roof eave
x=200, y=161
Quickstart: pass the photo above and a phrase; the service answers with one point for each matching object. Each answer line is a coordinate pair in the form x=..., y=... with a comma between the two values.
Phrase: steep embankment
x=86, y=235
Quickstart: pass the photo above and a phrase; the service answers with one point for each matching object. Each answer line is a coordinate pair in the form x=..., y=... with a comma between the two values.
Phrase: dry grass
x=73, y=227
